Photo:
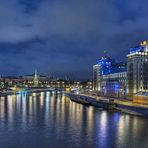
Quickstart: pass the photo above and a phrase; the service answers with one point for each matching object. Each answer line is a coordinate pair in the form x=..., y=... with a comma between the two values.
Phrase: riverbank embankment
x=124, y=106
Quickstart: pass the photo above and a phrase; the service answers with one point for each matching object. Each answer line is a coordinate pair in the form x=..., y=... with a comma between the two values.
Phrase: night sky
x=66, y=37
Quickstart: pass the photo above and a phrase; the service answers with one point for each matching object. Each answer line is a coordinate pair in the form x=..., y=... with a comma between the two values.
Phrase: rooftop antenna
x=105, y=54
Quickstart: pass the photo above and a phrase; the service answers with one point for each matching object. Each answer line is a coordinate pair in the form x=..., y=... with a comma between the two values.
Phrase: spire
x=36, y=80
x=106, y=55
x=35, y=74
x=105, y=52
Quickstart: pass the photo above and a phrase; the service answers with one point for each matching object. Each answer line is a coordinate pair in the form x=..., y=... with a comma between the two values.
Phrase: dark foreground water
x=51, y=121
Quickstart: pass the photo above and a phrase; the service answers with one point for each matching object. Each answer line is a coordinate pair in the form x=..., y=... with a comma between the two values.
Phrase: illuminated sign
x=136, y=49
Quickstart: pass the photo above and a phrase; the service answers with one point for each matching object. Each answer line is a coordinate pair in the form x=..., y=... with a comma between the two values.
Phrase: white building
x=137, y=69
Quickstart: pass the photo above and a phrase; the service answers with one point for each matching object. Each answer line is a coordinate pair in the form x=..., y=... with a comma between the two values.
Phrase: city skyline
x=70, y=75
x=73, y=73
x=48, y=35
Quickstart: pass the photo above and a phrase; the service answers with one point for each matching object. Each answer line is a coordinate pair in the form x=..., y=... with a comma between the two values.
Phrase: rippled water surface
x=46, y=120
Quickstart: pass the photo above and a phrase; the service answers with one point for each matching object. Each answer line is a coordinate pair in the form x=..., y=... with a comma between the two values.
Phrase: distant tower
x=36, y=79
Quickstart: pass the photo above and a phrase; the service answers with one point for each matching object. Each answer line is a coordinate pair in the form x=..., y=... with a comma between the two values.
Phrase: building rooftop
x=140, y=50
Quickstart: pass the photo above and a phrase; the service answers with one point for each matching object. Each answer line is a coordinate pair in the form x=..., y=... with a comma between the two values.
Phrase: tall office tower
x=137, y=69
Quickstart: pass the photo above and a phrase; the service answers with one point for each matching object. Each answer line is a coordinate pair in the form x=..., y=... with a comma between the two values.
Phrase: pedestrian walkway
x=118, y=101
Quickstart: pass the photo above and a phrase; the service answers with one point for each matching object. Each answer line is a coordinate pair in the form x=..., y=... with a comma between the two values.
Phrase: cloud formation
x=72, y=34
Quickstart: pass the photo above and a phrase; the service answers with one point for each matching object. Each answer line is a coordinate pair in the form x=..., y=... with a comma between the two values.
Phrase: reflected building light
x=11, y=111
x=47, y=96
x=121, y=131
x=123, y=127
x=19, y=95
x=103, y=123
x=13, y=96
x=30, y=97
x=135, y=125
x=77, y=113
x=90, y=119
x=116, y=117
x=2, y=98
x=42, y=100
x=2, y=109
x=24, y=111
x=42, y=93
x=52, y=104
x=30, y=104
x=19, y=101
x=47, y=109
x=34, y=94
x=102, y=129
x=47, y=93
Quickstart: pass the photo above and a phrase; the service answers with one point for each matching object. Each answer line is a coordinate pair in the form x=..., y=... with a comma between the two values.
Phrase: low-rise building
x=114, y=84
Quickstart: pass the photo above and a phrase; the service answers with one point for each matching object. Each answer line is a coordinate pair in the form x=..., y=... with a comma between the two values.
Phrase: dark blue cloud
x=29, y=6
x=67, y=37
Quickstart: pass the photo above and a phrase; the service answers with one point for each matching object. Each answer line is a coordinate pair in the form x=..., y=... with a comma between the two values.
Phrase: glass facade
x=109, y=77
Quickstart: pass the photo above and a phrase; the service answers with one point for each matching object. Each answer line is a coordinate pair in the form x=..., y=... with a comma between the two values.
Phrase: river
x=45, y=120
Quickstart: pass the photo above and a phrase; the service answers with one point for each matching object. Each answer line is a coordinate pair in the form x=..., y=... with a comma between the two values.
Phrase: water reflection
x=48, y=119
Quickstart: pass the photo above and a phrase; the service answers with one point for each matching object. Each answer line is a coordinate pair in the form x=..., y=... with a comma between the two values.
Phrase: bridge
x=31, y=90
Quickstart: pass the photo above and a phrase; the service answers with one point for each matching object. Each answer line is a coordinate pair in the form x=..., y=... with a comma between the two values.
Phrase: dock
x=124, y=106
x=107, y=104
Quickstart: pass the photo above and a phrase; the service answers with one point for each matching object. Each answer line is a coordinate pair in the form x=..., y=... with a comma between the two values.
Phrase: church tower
x=36, y=79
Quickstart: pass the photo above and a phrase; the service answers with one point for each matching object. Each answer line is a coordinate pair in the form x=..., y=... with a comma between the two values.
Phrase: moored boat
x=79, y=100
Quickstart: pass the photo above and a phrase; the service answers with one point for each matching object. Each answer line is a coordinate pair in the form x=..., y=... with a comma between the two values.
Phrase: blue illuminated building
x=114, y=83
x=106, y=75
x=105, y=64
x=102, y=67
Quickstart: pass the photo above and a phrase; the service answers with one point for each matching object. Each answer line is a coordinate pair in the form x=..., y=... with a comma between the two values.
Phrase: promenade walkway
x=118, y=101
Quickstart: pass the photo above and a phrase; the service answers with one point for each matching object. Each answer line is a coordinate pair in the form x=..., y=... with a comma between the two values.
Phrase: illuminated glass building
x=102, y=67
x=109, y=78
x=114, y=84
x=137, y=70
